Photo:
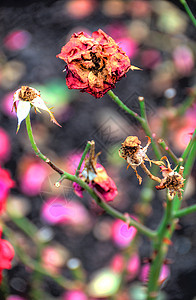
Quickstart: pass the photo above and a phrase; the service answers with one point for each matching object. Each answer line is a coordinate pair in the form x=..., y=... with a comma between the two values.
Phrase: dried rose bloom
x=94, y=64
x=135, y=155
x=26, y=97
x=172, y=180
x=103, y=185
x=97, y=178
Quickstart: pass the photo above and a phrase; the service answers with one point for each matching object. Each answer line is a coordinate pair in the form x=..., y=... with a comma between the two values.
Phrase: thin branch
x=185, y=211
x=188, y=148
x=162, y=143
x=189, y=12
x=143, y=121
x=88, y=145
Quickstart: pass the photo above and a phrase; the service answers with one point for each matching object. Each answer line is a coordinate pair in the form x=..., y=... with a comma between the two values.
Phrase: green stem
x=123, y=106
x=182, y=108
x=25, y=225
x=160, y=251
x=111, y=211
x=143, y=121
x=83, y=157
x=166, y=230
x=188, y=148
x=185, y=211
x=142, y=108
x=189, y=12
x=168, y=150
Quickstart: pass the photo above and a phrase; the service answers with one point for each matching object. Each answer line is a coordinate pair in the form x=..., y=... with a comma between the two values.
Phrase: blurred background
x=159, y=38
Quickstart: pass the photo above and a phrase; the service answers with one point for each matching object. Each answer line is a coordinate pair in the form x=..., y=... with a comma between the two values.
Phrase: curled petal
x=38, y=102
x=22, y=112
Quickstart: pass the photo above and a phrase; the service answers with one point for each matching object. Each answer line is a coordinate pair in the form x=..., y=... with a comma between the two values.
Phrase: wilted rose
x=94, y=64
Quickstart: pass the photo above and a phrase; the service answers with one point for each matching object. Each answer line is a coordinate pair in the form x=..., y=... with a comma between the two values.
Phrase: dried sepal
x=135, y=155
x=172, y=180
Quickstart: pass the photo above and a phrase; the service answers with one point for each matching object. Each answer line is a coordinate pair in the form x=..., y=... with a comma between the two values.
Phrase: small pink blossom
x=133, y=266
x=17, y=40
x=60, y=211
x=14, y=297
x=164, y=274
x=52, y=259
x=5, y=147
x=6, y=254
x=122, y=233
x=32, y=179
x=183, y=59
x=6, y=183
x=75, y=295
x=117, y=263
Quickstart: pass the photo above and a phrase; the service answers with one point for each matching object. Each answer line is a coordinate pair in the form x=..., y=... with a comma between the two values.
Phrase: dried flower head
x=172, y=180
x=97, y=178
x=27, y=97
x=135, y=155
x=94, y=63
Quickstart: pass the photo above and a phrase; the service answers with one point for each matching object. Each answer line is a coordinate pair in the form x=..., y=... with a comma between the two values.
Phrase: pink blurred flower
x=122, y=234
x=150, y=58
x=164, y=274
x=104, y=186
x=6, y=105
x=52, y=259
x=6, y=183
x=6, y=254
x=80, y=9
x=14, y=297
x=5, y=147
x=117, y=263
x=73, y=162
x=128, y=45
x=133, y=266
x=74, y=295
x=60, y=211
x=17, y=40
x=32, y=178
x=183, y=59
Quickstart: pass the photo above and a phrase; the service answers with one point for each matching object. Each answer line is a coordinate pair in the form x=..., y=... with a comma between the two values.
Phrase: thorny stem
x=189, y=12
x=143, y=120
x=166, y=229
x=160, y=251
x=168, y=150
x=110, y=210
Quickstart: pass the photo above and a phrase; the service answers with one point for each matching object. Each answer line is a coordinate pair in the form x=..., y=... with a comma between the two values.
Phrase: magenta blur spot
x=33, y=178
x=74, y=295
x=6, y=105
x=122, y=234
x=5, y=147
x=128, y=45
x=17, y=40
x=59, y=210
